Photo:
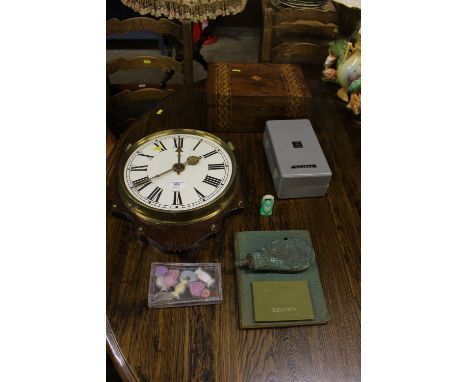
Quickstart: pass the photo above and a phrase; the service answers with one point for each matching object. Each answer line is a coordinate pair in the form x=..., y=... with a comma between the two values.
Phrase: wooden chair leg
x=188, y=51
x=266, y=35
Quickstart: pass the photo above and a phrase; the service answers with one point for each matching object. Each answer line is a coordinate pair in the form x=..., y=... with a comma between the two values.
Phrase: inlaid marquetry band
x=223, y=96
x=296, y=94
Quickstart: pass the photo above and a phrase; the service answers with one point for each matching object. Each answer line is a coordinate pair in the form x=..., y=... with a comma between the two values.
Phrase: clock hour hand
x=192, y=160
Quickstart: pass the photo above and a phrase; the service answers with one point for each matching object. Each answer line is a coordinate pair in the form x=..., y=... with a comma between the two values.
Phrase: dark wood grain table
x=204, y=343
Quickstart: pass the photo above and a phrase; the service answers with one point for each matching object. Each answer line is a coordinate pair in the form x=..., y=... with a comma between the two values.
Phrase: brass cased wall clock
x=177, y=186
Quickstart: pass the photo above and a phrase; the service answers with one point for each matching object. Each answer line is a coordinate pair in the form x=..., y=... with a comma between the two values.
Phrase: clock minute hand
x=191, y=161
x=162, y=173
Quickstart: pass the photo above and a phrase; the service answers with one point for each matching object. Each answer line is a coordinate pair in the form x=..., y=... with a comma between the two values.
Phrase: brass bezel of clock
x=198, y=214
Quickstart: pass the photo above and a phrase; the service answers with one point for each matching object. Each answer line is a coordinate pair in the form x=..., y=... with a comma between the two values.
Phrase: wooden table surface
x=204, y=343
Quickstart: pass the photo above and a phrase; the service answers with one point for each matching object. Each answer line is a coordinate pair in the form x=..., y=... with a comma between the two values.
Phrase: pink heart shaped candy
x=196, y=288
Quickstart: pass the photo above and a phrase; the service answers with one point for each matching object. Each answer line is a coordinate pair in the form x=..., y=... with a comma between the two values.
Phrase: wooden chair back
x=129, y=101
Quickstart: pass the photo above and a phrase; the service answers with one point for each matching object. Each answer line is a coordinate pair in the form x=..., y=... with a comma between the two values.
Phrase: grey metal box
x=297, y=164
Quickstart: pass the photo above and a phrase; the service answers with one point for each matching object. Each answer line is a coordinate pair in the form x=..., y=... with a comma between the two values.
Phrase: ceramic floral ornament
x=343, y=66
x=355, y=102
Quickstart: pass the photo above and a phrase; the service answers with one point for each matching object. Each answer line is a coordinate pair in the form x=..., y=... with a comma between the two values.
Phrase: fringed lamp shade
x=194, y=10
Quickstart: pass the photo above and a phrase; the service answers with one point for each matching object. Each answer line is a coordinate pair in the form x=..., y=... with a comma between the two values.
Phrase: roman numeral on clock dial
x=144, y=155
x=197, y=144
x=139, y=168
x=140, y=184
x=215, y=182
x=199, y=193
x=177, y=198
x=178, y=142
x=155, y=194
x=216, y=166
x=160, y=145
x=210, y=153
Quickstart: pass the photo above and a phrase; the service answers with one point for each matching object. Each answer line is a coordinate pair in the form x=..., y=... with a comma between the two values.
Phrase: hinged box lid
x=242, y=97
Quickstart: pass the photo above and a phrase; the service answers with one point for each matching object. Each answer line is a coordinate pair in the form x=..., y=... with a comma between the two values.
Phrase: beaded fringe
x=196, y=11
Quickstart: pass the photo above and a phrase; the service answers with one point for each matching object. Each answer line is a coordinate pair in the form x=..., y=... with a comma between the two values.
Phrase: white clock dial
x=178, y=172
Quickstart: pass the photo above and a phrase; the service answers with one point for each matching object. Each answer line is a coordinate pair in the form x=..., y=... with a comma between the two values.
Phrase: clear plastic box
x=184, y=284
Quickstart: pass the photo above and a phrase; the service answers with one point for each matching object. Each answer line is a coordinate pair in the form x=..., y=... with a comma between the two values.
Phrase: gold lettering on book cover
x=282, y=310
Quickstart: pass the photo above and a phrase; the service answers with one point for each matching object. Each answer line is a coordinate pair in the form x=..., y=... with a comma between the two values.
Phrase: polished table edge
x=118, y=359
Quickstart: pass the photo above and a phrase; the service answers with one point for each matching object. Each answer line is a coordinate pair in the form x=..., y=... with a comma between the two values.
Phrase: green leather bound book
x=248, y=241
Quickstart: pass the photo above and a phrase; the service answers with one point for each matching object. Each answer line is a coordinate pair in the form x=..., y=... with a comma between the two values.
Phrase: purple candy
x=171, y=278
x=161, y=270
